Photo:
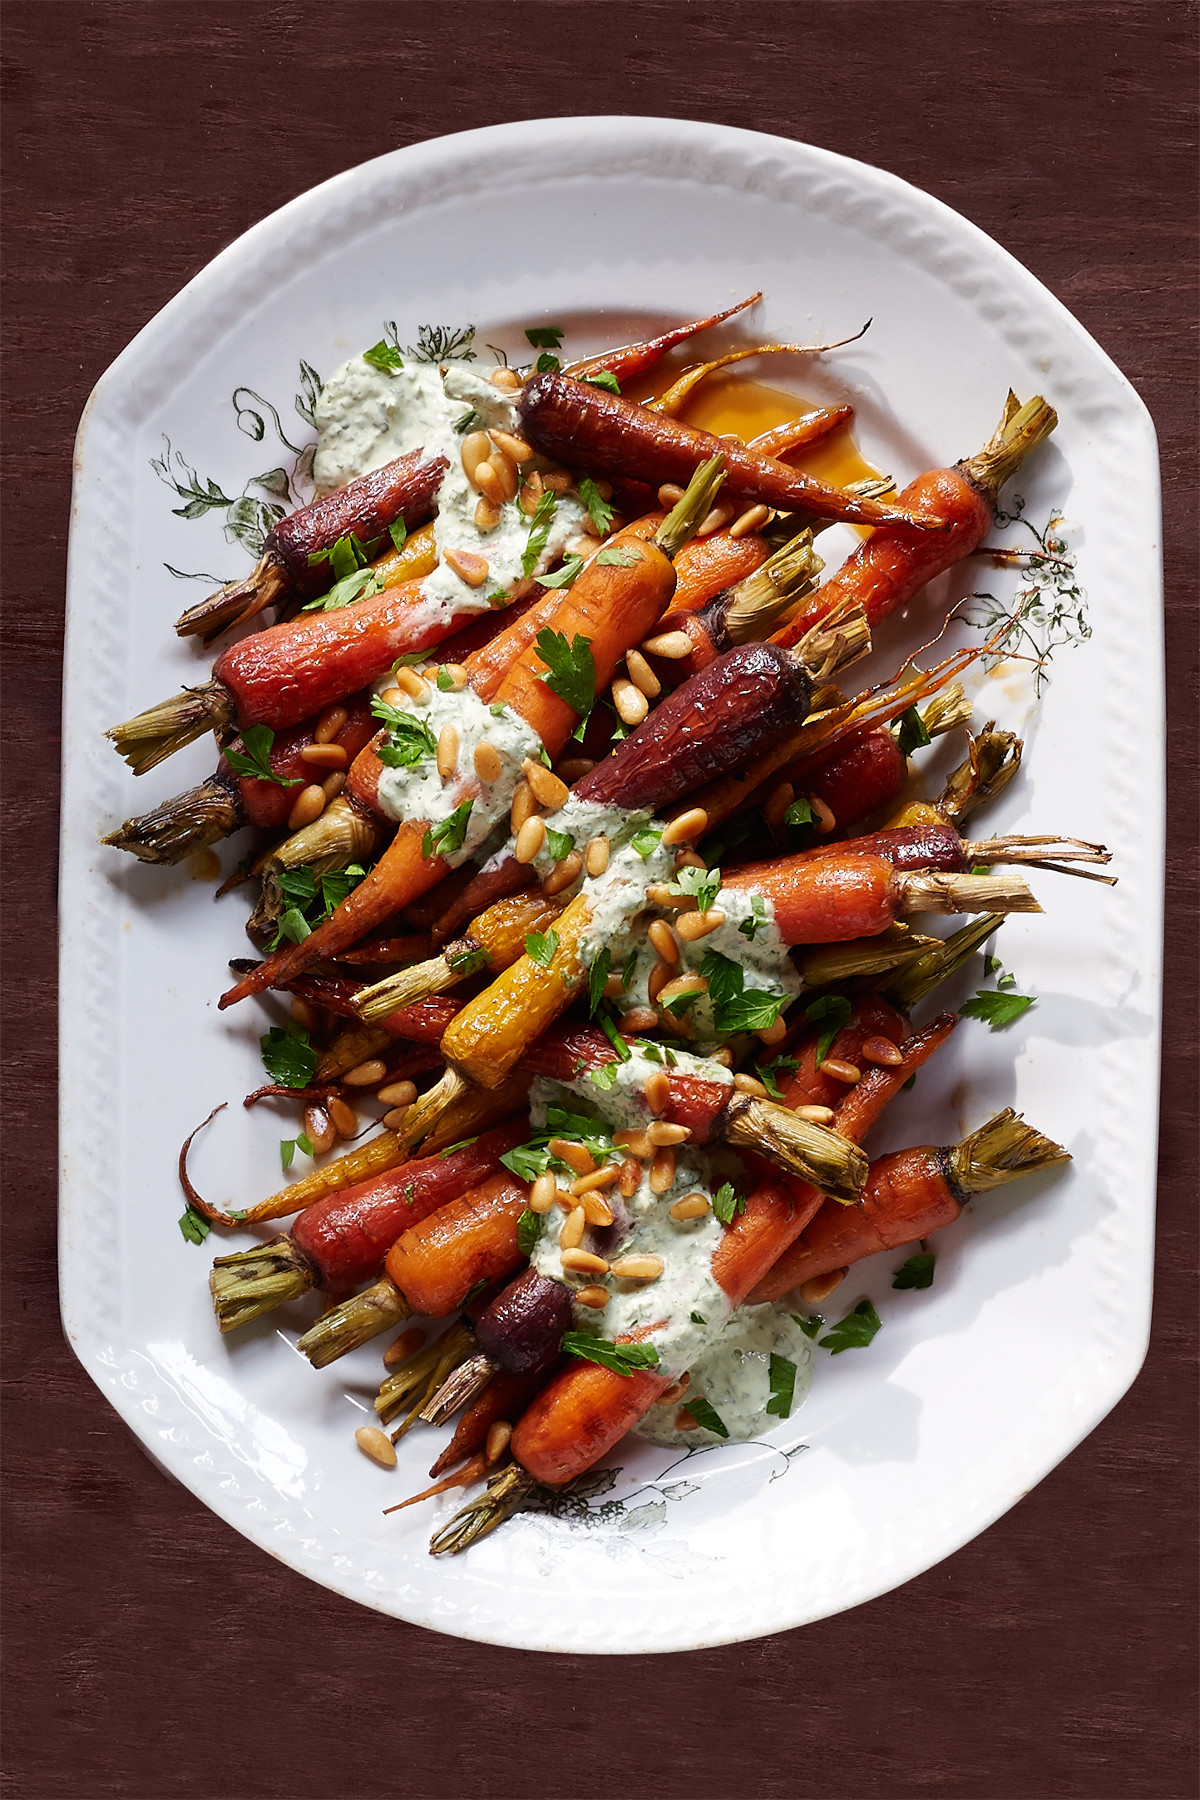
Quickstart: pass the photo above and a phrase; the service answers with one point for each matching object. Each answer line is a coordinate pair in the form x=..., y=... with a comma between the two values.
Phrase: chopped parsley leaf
x=194, y=1226
x=288, y=1057
x=800, y=812
x=782, y=1376
x=409, y=740
x=831, y=1012
x=854, y=1332
x=289, y=1146
x=539, y=530
x=917, y=1272
x=398, y=532
x=254, y=757
x=570, y=669
x=384, y=356
x=698, y=1318
x=618, y=556
x=605, y=1077
x=598, y=973
x=913, y=733
x=996, y=1009
x=529, y=1230
x=603, y=378
x=734, y=1006
x=540, y=947
x=547, y=364
x=545, y=337
x=705, y=1415
x=811, y=1325
x=562, y=578
x=559, y=843
x=751, y=927
x=599, y=511
x=700, y=885
x=766, y=1073
x=622, y=1359
x=448, y=835
x=727, y=1203
x=646, y=842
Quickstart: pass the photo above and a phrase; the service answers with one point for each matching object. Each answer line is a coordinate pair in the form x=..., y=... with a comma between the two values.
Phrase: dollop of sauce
x=734, y=1376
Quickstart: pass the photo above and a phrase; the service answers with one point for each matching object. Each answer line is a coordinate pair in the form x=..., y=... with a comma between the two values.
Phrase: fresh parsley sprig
x=706, y=1415
x=727, y=1203
x=700, y=885
x=539, y=530
x=599, y=510
x=288, y=1056
x=540, y=947
x=570, y=669
x=254, y=757
x=831, y=1012
x=854, y=1332
x=622, y=1359
x=996, y=1009
x=735, y=1007
x=545, y=337
x=917, y=1272
x=449, y=834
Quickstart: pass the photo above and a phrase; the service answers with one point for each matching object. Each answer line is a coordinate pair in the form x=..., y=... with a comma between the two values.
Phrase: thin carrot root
x=471, y=1471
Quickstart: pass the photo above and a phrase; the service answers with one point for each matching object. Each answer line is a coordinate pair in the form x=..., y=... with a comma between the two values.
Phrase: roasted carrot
x=435, y=1264
x=579, y=1415
x=633, y=360
x=505, y=1397
x=810, y=428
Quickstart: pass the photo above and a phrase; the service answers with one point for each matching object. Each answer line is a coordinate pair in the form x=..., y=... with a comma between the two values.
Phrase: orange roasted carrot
x=783, y=440
x=582, y=1413
x=505, y=1397
x=436, y=1263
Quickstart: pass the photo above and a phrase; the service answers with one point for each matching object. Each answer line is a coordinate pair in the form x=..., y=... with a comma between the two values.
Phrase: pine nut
x=595, y=1297
x=308, y=805
x=473, y=569
x=333, y=784
x=594, y=1209
x=447, y=751
x=687, y=859
x=684, y=1420
x=398, y=1093
x=596, y=859
x=670, y=494
x=487, y=515
x=377, y=1445
x=660, y=1133
x=692, y=1206
x=329, y=724
x=542, y=1192
x=582, y=1262
x=687, y=827
x=513, y=447
x=673, y=1393
x=691, y=926
x=662, y=938
x=642, y=675
x=638, y=1268
x=780, y=798
x=571, y=1235
x=659, y=894
x=530, y=839
x=324, y=756
x=413, y=685
x=841, y=1071
x=660, y=974
x=595, y=1178
x=497, y=1441
x=881, y=1050
x=631, y=704
x=816, y=1115
x=683, y=984
x=507, y=379
x=747, y=1084
x=563, y=873
x=548, y=790
x=633, y=1140
x=557, y=480
x=395, y=1117
x=476, y=448
x=658, y=1092
x=613, y=987
x=716, y=520
x=673, y=646
x=750, y=520
x=404, y=1346
x=303, y=1013
x=723, y=1055
x=506, y=472
x=530, y=494
x=366, y=1074
x=825, y=818
x=457, y=676
x=344, y=1117
x=523, y=806
x=487, y=480
x=821, y=1286
x=319, y=1128
x=392, y=696
x=662, y=1169
x=773, y=1034
x=638, y=1019
x=631, y=1177
x=573, y=1153
x=574, y=768
x=489, y=765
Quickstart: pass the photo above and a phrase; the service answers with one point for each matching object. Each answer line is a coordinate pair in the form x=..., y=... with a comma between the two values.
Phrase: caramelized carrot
x=827, y=900
x=437, y=1262
x=505, y=1397
x=636, y=359
x=810, y=428
x=579, y=1415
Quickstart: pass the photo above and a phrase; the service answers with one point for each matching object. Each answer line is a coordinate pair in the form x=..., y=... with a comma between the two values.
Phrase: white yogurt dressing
x=733, y=1375
x=367, y=417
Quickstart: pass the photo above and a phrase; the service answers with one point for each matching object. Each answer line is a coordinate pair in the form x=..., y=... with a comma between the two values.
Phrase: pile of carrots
x=445, y=992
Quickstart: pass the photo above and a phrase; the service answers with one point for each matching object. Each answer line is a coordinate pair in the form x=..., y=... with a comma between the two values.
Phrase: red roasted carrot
x=505, y=1397
x=632, y=360
x=810, y=428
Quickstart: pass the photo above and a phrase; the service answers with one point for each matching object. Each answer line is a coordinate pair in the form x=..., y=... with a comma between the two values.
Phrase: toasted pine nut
x=748, y=1084
x=662, y=1169
x=660, y=1133
x=329, y=724
x=303, y=1013
x=308, y=805
x=377, y=1445
x=825, y=818
x=684, y=1420
x=489, y=765
x=395, y=1117
x=563, y=874
x=687, y=827
x=882, y=1050
x=613, y=987
x=692, y=1206
x=716, y=520
x=497, y=1441
x=596, y=858
x=514, y=447
x=778, y=801
x=392, y=696
x=816, y=1115
x=671, y=645
x=662, y=939
x=541, y=1194
x=659, y=894
x=413, y=685
x=691, y=926
x=638, y=1268
x=595, y=1178
x=582, y=1262
x=318, y=1128
x=631, y=704
x=841, y=1071
x=639, y=1018
x=573, y=1153
x=574, y=1225
x=523, y=806
x=594, y=1209
x=634, y=1140
x=487, y=515
x=398, y=1093
x=324, y=756
x=723, y=1055
x=574, y=768
x=487, y=480
x=506, y=471
x=548, y=790
x=530, y=839
x=630, y=1179
x=366, y=1074
x=658, y=1092
x=457, y=676
x=687, y=859
x=447, y=751
x=659, y=976
x=642, y=675
x=773, y=1034
x=473, y=569
x=673, y=1393
x=404, y=1346
x=683, y=984
x=821, y=1286
x=750, y=520
x=557, y=480
x=508, y=379
x=333, y=784
x=595, y=1297
x=669, y=494
x=530, y=494
x=344, y=1117
x=476, y=448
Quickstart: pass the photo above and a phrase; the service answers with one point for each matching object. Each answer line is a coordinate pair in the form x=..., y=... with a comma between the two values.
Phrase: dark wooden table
x=151, y=1652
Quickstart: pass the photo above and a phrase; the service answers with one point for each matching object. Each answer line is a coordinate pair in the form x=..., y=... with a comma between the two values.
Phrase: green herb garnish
x=529, y=1230
x=917, y=1272
x=409, y=740
x=622, y=1359
x=605, y=1077
x=603, y=378
x=700, y=885
x=705, y=1415
x=996, y=1009
x=254, y=758
x=448, y=836
x=398, y=532
x=562, y=578
x=288, y=1057
x=781, y=1373
x=194, y=1226
x=547, y=364
x=727, y=1203
x=289, y=1146
x=646, y=842
x=570, y=669
x=831, y=1012
x=913, y=733
x=735, y=1007
x=384, y=356
x=598, y=973
x=599, y=511
x=766, y=1073
x=540, y=947
x=545, y=337
x=810, y=1326
x=559, y=843
x=854, y=1332
x=539, y=530
x=615, y=1039
x=800, y=812
x=619, y=556
x=751, y=927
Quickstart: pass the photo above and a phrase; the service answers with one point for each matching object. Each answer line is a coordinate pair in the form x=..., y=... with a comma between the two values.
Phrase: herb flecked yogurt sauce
x=366, y=417
x=734, y=1376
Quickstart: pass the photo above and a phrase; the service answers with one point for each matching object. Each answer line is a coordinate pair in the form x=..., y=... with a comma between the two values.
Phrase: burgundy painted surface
x=151, y=1652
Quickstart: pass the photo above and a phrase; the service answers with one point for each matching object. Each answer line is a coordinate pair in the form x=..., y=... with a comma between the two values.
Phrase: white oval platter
x=1037, y=1320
